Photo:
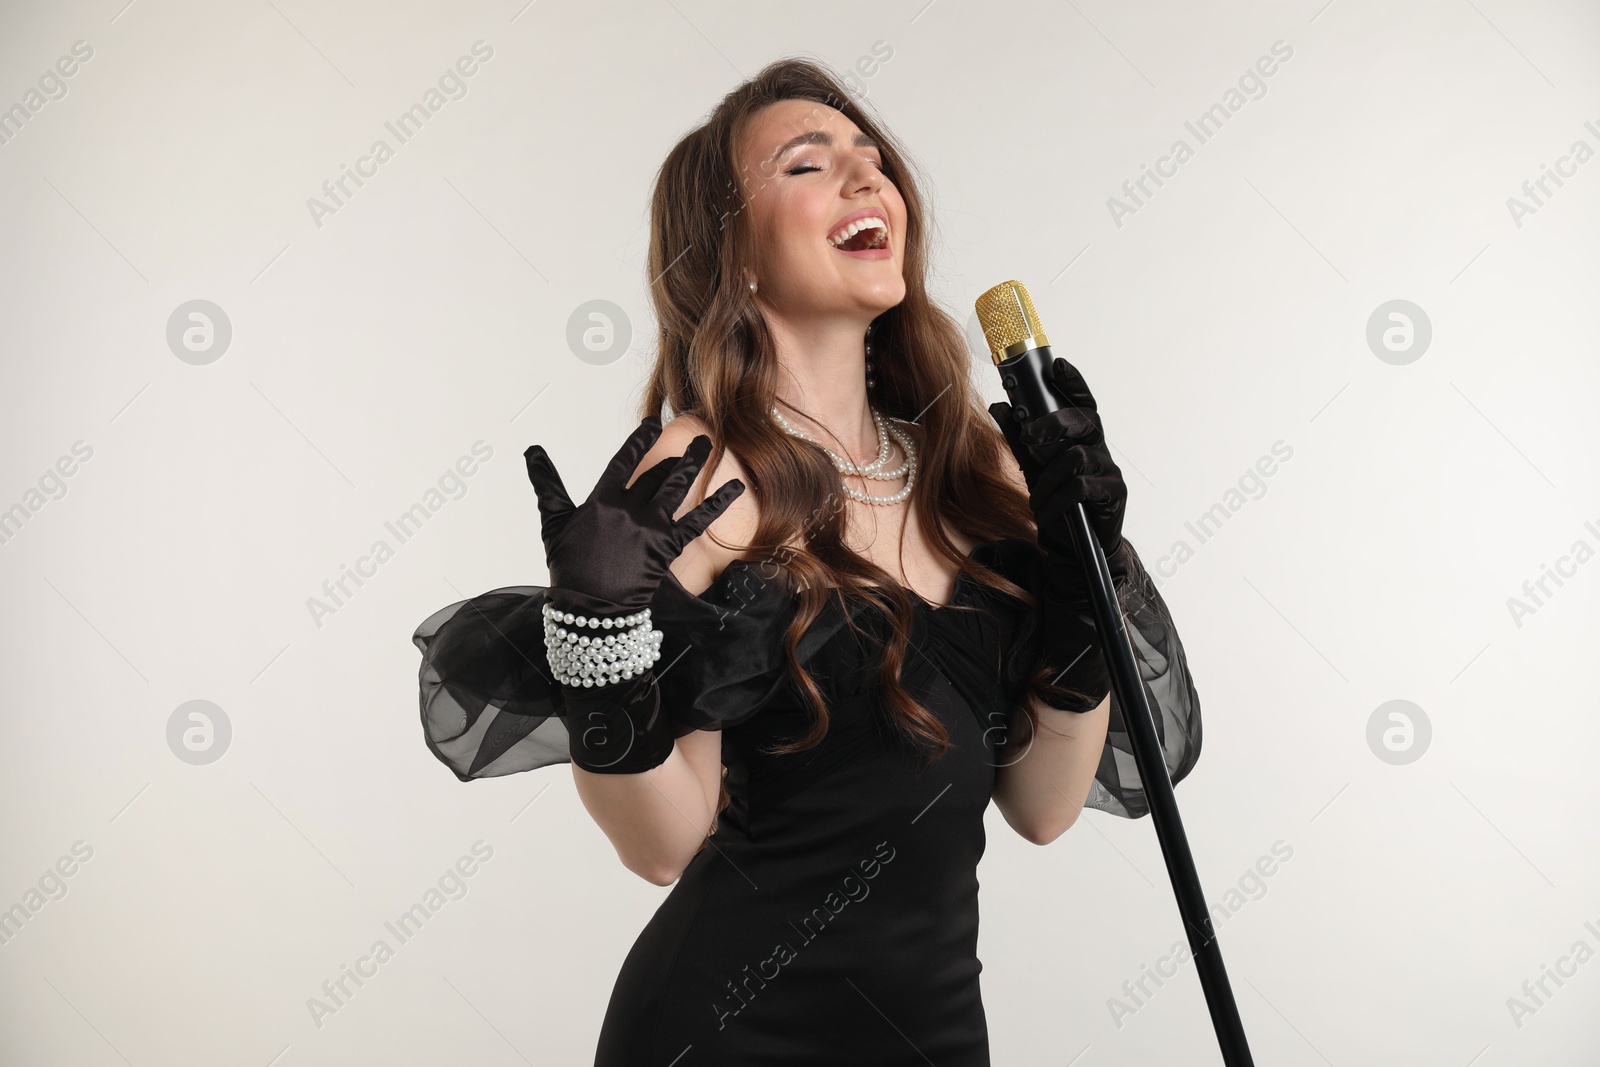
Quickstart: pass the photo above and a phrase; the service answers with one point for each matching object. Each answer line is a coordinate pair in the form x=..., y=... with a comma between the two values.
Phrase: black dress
x=832, y=918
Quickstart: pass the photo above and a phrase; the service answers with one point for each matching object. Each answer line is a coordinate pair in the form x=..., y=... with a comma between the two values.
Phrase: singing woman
x=803, y=633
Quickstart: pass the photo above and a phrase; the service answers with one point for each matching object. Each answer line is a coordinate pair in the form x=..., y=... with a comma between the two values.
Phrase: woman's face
x=797, y=196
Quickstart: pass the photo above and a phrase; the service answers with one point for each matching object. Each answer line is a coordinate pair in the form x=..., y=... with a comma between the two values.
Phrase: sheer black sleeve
x=1163, y=668
x=489, y=703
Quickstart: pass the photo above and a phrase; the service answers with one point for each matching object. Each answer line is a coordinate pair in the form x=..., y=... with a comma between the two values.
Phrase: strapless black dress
x=832, y=917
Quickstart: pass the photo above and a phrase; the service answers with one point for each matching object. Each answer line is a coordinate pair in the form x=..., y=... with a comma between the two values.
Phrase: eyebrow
x=822, y=137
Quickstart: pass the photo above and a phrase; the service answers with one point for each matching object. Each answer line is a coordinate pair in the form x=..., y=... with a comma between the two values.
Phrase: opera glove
x=607, y=559
x=617, y=729
x=1065, y=461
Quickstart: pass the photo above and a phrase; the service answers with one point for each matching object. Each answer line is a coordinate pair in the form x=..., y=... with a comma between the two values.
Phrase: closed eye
x=806, y=168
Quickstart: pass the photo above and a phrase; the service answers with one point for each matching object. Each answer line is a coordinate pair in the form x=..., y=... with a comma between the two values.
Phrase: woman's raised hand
x=610, y=555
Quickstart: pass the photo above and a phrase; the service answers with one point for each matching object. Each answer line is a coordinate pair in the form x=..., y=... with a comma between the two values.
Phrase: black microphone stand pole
x=1024, y=376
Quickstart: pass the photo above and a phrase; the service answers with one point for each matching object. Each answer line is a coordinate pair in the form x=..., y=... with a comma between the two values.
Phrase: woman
x=846, y=619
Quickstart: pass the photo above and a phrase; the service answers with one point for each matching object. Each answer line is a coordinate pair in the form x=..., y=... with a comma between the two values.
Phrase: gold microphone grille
x=1010, y=323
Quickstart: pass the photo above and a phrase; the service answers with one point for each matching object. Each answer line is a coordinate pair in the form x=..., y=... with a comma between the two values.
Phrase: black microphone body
x=1025, y=378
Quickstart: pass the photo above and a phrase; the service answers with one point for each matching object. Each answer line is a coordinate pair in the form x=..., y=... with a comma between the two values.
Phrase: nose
x=865, y=177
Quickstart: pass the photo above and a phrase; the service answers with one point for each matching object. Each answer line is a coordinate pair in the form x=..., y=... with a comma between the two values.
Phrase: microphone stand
x=1129, y=690
x=1022, y=355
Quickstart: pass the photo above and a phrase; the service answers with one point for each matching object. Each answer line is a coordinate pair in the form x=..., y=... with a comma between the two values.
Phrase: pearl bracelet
x=579, y=660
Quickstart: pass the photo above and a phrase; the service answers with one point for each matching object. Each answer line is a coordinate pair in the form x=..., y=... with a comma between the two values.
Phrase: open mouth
x=862, y=235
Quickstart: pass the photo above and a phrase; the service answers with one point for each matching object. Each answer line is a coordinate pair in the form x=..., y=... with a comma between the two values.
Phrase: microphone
x=1019, y=348
x=1021, y=354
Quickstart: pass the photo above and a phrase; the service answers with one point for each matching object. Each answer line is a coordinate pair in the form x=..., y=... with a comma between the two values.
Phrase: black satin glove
x=609, y=556
x=1065, y=460
x=607, y=559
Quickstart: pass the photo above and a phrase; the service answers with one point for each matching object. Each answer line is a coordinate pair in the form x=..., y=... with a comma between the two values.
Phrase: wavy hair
x=717, y=360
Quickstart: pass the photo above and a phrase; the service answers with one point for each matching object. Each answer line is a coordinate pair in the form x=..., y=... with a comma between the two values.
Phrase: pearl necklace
x=874, y=469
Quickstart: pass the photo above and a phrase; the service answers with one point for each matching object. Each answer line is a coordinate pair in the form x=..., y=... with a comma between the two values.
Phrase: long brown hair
x=717, y=360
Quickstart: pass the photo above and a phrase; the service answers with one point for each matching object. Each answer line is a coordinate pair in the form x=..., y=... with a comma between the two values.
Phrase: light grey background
x=1229, y=313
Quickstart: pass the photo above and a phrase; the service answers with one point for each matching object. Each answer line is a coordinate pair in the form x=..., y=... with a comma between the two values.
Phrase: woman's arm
x=1042, y=793
x=658, y=819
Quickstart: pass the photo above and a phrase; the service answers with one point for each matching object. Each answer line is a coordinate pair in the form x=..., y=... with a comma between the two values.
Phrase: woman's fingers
x=1106, y=488
x=1078, y=425
x=1068, y=449
x=1068, y=467
x=1005, y=418
x=553, y=498
x=1084, y=476
x=627, y=458
x=649, y=483
x=555, y=506
x=686, y=470
x=1081, y=475
x=1070, y=384
x=1077, y=420
x=695, y=522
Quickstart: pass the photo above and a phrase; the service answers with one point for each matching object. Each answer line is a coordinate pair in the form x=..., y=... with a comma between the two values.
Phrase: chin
x=882, y=299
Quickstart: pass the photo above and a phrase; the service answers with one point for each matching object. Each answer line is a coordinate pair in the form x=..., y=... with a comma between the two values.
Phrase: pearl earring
x=752, y=287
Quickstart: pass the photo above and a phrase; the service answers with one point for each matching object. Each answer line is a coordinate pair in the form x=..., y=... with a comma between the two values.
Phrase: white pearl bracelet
x=580, y=660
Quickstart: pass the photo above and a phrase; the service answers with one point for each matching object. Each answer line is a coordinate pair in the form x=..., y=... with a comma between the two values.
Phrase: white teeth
x=870, y=222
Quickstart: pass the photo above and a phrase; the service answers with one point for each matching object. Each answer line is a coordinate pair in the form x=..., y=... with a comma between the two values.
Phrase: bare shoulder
x=703, y=561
